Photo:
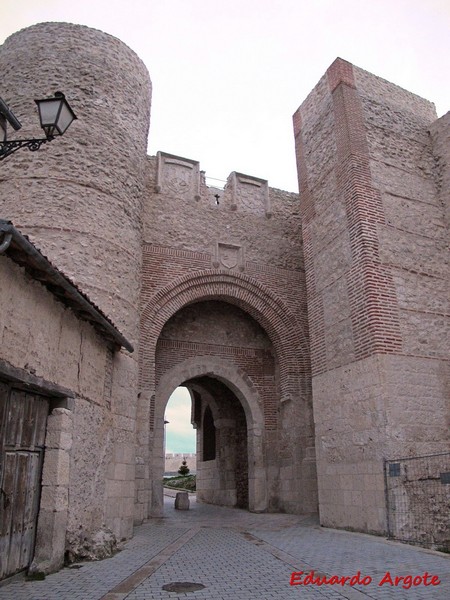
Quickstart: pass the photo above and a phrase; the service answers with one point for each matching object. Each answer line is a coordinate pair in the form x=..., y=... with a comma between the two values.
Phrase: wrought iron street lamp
x=55, y=115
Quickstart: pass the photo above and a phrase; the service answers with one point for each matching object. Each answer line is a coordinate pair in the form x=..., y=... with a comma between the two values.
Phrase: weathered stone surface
x=81, y=546
x=378, y=315
x=92, y=230
x=440, y=135
x=51, y=535
x=182, y=501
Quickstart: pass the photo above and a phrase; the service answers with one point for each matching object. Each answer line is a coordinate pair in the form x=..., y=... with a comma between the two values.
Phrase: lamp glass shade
x=55, y=115
x=65, y=118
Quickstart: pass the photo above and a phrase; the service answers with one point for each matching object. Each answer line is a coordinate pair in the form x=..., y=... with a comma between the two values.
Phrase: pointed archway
x=210, y=375
x=281, y=382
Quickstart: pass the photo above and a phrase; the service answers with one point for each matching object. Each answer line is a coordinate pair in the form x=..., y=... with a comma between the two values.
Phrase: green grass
x=181, y=482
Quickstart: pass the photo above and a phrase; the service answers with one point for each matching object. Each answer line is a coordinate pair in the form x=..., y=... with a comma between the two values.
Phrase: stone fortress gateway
x=309, y=330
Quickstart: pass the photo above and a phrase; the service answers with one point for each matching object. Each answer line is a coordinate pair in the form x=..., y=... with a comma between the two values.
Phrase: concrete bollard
x=182, y=501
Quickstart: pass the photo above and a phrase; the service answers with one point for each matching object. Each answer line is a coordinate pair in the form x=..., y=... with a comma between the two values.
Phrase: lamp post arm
x=11, y=146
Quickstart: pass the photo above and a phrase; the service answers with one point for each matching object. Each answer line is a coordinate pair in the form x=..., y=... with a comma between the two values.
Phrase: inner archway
x=222, y=446
x=224, y=339
x=233, y=387
x=268, y=370
x=213, y=384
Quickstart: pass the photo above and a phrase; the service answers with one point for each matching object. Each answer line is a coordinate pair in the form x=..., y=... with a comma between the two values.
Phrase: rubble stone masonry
x=79, y=200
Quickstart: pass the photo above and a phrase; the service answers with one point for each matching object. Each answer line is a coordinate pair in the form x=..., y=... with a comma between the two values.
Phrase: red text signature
x=404, y=581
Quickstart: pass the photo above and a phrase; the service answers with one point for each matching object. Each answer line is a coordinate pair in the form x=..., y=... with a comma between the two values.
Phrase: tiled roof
x=24, y=253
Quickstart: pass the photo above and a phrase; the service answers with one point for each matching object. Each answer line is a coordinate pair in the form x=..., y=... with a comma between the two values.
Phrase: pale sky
x=180, y=435
x=228, y=74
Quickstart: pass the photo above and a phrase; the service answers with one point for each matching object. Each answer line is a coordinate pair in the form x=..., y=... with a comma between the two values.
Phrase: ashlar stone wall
x=440, y=139
x=38, y=335
x=374, y=234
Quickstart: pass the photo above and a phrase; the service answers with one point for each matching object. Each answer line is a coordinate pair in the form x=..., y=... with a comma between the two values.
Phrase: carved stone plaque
x=178, y=176
x=249, y=193
x=229, y=256
x=177, y=179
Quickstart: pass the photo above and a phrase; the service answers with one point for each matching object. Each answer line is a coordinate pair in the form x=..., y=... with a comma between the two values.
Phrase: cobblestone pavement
x=238, y=555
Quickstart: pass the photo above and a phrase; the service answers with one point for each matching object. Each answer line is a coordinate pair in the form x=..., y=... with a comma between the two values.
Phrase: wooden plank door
x=22, y=436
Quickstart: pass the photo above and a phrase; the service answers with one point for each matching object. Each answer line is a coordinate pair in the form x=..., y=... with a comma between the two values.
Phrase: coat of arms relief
x=229, y=256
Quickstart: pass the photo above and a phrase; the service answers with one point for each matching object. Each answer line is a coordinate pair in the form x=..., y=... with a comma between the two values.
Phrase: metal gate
x=418, y=500
x=23, y=418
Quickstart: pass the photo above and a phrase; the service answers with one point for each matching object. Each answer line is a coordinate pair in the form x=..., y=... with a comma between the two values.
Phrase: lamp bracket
x=10, y=146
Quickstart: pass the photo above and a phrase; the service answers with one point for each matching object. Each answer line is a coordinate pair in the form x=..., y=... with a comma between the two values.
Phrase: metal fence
x=418, y=500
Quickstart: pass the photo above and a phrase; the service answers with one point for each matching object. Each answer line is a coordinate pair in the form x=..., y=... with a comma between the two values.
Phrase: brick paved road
x=240, y=556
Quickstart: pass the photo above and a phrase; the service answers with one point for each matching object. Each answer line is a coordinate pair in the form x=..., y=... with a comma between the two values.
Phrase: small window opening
x=209, y=436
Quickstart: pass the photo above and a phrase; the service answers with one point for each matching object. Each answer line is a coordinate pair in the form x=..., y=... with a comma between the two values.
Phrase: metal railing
x=418, y=500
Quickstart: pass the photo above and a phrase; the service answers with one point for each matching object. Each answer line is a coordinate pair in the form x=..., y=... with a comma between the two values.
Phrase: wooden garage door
x=23, y=418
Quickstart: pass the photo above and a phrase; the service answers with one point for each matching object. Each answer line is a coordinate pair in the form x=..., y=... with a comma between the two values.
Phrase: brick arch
x=288, y=338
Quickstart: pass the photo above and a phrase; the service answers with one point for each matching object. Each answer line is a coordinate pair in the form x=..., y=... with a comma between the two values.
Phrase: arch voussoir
x=289, y=339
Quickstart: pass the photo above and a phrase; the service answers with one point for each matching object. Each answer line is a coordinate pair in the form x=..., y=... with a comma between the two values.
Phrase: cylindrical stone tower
x=79, y=198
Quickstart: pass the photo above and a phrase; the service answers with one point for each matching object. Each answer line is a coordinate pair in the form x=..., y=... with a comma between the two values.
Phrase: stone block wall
x=377, y=286
x=54, y=505
x=222, y=471
x=90, y=227
x=440, y=139
x=257, y=223
x=38, y=335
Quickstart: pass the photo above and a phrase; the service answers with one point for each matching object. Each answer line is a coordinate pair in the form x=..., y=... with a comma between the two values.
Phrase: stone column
x=53, y=514
x=257, y=482
x=225, y=494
